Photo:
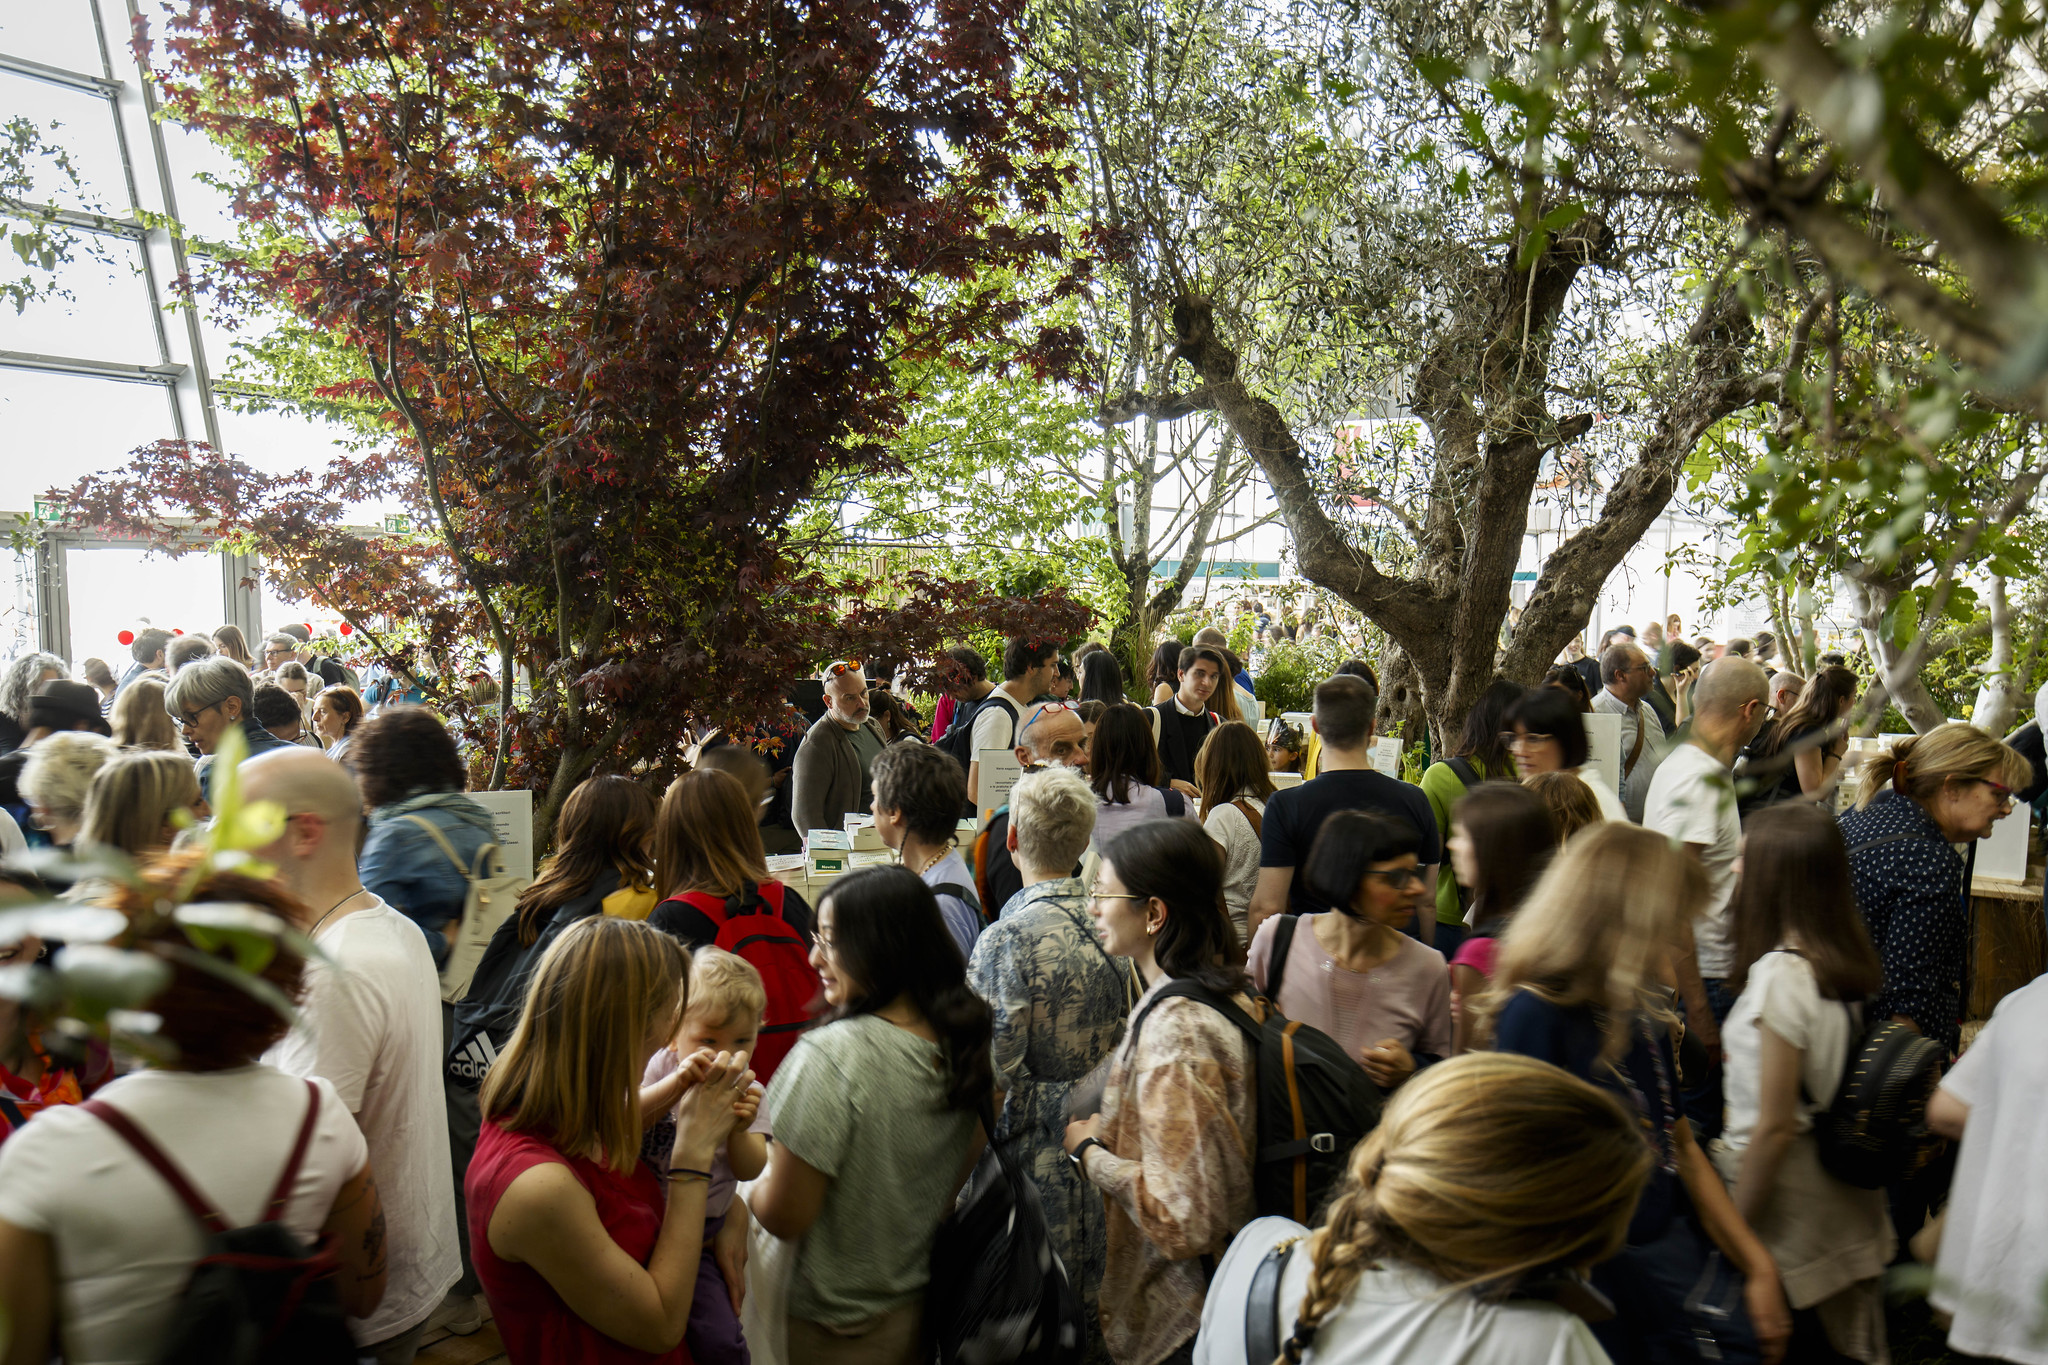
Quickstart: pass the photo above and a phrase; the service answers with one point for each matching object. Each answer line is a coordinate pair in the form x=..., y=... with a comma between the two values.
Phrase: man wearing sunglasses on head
x=832, y=772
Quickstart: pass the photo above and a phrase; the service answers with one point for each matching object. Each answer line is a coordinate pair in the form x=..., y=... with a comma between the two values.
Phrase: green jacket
x=1441, y=785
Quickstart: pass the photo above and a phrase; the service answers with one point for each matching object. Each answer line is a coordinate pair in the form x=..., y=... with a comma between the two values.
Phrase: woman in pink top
x=1352, y=973
x=1515, y=828
x=581, y=1259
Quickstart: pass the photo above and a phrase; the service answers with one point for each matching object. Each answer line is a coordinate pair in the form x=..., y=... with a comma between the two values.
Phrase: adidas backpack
x=256, y=1296
x=1314, y=1103
x=750, y=925
x=1875, y=1133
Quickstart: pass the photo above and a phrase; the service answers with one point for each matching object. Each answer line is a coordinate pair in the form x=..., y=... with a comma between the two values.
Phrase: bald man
x=371, y=1024
x=1692, y=800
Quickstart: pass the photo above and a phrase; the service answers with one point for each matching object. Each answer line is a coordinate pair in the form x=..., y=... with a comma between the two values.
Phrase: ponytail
x=1919, y=766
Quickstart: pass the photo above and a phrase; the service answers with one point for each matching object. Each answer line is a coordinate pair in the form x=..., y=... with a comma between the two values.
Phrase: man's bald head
x=1785, y=690
x=1052, y=732
x=307, y=782
x=1729, y=684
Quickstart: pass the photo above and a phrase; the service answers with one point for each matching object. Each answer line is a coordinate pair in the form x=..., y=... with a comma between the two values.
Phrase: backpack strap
x=1262, y=1334
x=1276, y=964
x=11, y=1111
x=209, y=1217
x=1462, y=769
x=1192, y=990
x=434, y=832
x=1176, y=804
x=959, y=893
x=1251, y=817
x=1885, y=839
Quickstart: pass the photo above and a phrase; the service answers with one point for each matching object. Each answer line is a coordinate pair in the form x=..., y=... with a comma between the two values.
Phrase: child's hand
x=745, y=1110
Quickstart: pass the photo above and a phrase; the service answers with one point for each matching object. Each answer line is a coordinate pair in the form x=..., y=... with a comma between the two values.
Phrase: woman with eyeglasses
x=1546, y=733
x=1172, y=1141
x=1352, y=972
x=1915, y=801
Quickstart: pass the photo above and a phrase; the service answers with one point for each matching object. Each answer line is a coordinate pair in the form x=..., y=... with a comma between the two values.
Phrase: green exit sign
x=48, y=510
x=398, y=524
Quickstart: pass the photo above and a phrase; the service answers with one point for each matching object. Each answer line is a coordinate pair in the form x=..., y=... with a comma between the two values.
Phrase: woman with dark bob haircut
x=423, y=832
x=1545, y=730
x=884, y=1093
x=1354, y=972
x=1102, y=678
x=1172, y=1145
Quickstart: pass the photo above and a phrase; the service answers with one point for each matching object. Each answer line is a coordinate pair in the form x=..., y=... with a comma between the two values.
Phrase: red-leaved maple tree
x=625, y=279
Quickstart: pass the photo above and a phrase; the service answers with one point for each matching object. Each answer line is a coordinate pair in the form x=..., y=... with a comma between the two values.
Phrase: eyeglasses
x=1398, y=877
x=1510, y=738
x=1039, y=714
x=1097, y=894
x=1999, y=790
x=192, y=717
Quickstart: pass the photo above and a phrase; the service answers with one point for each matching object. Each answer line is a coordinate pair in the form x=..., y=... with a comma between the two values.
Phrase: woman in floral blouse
x=1172, y=1145
x=1059, y=1002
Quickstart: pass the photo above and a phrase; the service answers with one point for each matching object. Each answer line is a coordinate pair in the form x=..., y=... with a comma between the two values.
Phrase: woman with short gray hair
x=210, y=697
x=1059, y=1003
x=20, y=681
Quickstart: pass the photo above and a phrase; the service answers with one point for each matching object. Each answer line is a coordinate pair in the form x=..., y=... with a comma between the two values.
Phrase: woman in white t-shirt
x=1123, y=767
x=1231, y=771
x=1492, y=1181
x=1803, y=965
x=95, y=1249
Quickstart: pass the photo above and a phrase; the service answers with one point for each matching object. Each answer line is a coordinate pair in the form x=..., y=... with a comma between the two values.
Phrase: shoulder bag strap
x=1884, y=839
x=964, y=894
x=1462, y=769
x=282, y=1195
x=1251, y=817
x=1276, y=965
x=1635, y=754
x=434, y=832
x=1262, y=1334
x=11, y=1111
x=208, y=1217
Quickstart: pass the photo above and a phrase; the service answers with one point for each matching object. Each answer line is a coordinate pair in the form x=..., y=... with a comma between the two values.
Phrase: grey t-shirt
x=863, y=1102
x=867, y=747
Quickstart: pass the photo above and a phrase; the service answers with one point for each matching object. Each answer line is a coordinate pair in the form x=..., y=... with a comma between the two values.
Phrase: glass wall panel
x=84, y=127
x=117, y=589
x=107, y=317
x=62, y=427
x=56, y=34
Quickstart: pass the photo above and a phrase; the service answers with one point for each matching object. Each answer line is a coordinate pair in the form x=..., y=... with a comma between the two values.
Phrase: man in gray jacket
x=830, y=776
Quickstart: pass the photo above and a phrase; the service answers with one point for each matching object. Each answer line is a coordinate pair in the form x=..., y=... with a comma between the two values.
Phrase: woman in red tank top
x=582, y=1258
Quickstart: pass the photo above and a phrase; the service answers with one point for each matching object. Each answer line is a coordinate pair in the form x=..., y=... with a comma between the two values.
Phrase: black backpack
x=1314, y=1103
x=999, y=1294
x=486, y=1016
x=256, y=1296
x=1875, y=1133
x=959, y=737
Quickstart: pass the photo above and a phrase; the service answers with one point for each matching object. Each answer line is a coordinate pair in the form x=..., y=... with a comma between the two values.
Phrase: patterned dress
x=1177, y=1118
x=1059, y=1004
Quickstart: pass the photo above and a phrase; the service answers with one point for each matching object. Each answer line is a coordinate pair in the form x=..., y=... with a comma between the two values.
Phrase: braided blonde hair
x=1482, y=1170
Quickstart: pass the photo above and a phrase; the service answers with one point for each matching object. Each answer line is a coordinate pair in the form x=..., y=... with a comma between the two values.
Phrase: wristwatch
x=1081, y=1147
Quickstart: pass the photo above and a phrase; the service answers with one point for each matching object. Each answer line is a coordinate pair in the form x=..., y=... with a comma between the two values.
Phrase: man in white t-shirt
x=1994, y=1244
x=1692, y=800
x=370, y=1025
x=1626, y=675
x=1028, y=670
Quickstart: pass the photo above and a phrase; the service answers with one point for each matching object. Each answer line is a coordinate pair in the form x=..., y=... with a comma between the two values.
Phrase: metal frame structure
x=180, y=364
x=241, y=604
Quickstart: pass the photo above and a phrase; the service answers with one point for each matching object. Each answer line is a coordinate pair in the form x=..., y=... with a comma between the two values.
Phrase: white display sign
x=1386, y=756
x=999, y=772
x=2003, y=857
x=512, y=821
x=1282, y=781
x=1603, y=740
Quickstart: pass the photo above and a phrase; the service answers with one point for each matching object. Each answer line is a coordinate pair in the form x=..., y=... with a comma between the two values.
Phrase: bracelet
x=676, y=1172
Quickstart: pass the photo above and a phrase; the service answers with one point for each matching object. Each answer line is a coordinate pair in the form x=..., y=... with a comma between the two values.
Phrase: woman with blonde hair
x=582, y=1253
x=134, y=799
x=1490, y=1185
x=1913, y=802
x=140, y=720
x=1578, y=984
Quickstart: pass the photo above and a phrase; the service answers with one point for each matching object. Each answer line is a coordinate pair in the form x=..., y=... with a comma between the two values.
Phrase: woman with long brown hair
x=1502, y=839
x=711, y=873
x=603, y=853
x=1802, y=753
x=1579, y=984
x=1491, y=1183
x=230, y=641
x=1231, y=771
x=1805, y=969
x=583, y=1254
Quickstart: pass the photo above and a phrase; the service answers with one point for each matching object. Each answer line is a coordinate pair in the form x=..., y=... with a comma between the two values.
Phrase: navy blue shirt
x=1644, y=1079
x=1295, y=815
x=1910, y=890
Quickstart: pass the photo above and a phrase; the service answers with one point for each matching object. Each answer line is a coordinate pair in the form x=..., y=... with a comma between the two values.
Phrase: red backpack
x=750, y=926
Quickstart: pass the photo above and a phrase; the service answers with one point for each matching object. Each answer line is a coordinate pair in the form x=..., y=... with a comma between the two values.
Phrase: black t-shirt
x=2026, y=742
x=686, y=922
x=1295, y=815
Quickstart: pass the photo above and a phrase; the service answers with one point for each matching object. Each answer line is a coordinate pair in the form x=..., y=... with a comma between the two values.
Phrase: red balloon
x=126, y=637
x=347, y=629
x=307, y=627
x=176, y=631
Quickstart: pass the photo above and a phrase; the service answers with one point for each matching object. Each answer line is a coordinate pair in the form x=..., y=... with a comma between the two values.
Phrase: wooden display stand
x=2009, y=942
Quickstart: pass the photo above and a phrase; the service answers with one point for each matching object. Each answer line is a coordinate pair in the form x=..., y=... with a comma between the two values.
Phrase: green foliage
x=38, y=241
x=1288, y=678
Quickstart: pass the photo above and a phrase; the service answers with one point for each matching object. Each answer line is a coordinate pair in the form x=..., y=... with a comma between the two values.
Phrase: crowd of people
x=1585, y=1028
